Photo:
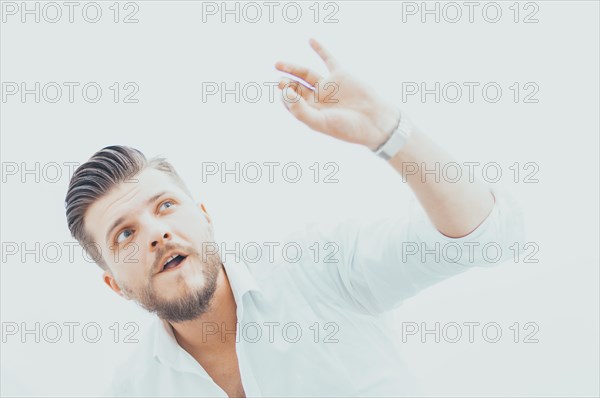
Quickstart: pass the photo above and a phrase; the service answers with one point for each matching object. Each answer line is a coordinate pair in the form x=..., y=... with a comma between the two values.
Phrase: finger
x=292, y=88
x=309, y=76
x=305, y=113
x=325, y=55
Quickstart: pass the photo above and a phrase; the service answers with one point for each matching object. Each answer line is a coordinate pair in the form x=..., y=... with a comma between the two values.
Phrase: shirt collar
x=241, y=280
x=165, y=347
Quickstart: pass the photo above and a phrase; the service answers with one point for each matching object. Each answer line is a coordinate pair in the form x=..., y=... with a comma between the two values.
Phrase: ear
x=110, y=281
x=203, y=210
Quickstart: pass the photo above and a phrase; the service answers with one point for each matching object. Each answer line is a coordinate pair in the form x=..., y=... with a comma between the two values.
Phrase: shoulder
x=305, y=264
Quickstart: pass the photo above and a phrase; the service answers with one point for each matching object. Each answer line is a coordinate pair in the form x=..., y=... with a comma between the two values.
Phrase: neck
x=215, y=328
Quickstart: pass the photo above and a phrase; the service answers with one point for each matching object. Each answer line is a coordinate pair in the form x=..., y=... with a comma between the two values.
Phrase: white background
x=171, y=52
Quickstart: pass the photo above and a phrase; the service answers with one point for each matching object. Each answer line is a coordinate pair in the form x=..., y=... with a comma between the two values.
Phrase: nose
x=159, y=237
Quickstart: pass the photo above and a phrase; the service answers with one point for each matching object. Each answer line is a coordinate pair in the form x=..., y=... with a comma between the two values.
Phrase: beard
x=193, y=302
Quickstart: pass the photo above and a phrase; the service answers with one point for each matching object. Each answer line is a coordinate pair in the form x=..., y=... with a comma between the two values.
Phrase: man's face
x=141, y=224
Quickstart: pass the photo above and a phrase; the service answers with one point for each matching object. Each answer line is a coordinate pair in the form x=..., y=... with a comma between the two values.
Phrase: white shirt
x=325, y=327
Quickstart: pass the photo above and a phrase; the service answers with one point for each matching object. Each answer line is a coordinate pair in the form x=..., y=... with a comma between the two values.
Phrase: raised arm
x=341, y=106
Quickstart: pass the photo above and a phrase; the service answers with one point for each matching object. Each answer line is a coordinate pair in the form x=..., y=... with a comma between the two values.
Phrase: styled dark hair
x=103, y=171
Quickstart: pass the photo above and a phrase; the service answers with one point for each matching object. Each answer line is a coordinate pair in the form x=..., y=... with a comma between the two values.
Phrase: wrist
x=397, y=140
x=384, y=125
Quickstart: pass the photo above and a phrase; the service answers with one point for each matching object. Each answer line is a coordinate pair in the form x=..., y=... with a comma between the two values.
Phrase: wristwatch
x=397, y=139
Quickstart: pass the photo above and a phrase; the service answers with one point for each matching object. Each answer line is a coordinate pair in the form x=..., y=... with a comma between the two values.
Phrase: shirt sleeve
x=382, y=262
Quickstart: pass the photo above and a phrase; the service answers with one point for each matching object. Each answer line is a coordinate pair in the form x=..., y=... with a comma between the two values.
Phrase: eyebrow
x=122, y=218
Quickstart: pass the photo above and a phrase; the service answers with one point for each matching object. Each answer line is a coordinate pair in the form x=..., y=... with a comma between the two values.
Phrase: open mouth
x=173, y=262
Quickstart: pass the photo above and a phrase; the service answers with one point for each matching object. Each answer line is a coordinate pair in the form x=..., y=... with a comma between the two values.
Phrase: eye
x=123, y=235
x=166, y=204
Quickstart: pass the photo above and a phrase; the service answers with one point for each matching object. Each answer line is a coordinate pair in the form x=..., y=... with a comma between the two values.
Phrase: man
x=319, y=326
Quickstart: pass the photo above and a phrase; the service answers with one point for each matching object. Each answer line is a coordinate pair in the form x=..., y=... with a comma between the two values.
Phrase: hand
x=337, y=105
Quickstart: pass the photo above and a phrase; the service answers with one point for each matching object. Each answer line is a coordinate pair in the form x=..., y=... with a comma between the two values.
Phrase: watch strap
x=396, y=140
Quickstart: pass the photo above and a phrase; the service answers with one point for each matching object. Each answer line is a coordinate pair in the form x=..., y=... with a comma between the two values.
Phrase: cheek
x=131, y=262
x=193, y=225
x=128, y=255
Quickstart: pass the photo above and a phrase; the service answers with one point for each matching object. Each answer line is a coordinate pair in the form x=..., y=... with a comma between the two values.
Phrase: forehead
x=127, y=198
